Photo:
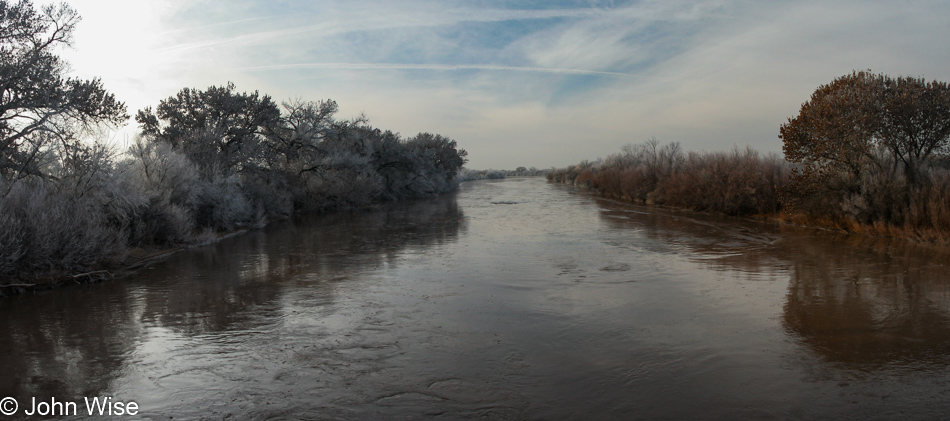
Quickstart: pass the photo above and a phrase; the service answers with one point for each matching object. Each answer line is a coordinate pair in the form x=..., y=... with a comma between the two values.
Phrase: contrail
x=443, y=67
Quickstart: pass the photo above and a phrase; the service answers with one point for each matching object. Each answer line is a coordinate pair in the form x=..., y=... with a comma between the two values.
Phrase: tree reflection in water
x=74, y=341
x=66, y=345
x=882, y=305
x=857, y=302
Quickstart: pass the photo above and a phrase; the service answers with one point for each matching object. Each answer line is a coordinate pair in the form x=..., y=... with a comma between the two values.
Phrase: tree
x=442, y=153
x=303, y=127
x=847, y=123
x=835, y=129
x=219, y=128
x=39, y=105
x=915, y=124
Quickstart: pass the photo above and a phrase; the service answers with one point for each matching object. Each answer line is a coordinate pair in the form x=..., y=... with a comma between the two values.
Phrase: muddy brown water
x=513, y=299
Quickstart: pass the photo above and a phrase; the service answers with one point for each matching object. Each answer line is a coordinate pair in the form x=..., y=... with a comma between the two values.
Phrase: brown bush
x=737, y=183
x=877, y=200
x=740, y=183
x=583, y=178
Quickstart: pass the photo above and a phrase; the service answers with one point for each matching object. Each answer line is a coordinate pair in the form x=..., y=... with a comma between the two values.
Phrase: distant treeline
x=207, y=161
x=468, y=175
x=867, y=153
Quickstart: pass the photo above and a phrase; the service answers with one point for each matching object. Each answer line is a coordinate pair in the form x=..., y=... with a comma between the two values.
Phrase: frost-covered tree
x=40, y=107
x=304, y=124
x=445, y=157
x=219, y=128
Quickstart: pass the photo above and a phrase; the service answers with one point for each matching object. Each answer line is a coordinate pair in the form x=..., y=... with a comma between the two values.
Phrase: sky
x=517, y=83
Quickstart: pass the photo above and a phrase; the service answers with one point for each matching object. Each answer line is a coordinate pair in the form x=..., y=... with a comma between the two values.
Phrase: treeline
x=526, y=172
x=877, y=200
x=867, y=153
x=468, y=174
x=207, y=161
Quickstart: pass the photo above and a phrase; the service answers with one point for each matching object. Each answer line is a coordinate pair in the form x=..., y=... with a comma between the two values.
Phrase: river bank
x=135, y=258
x=873, y=201
x=118, y=267
x=918, y=236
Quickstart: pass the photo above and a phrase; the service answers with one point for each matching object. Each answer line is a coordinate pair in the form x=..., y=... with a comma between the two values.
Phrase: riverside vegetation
x=466, y=174
x=206, y=161
x=867, y=153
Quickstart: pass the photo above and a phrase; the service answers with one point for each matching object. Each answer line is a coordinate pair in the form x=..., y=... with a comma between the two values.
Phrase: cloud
x=619, y=39
x=739, y=82
x=435, y=67
x=543, y=85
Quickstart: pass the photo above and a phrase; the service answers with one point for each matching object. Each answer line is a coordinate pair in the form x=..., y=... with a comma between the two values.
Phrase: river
x=510, y=299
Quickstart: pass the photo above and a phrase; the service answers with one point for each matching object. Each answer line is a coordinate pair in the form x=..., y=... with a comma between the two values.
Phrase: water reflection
x=243, y=277
x=884, y=304
x=858, y=302
x=66, y=347
x=75, y=341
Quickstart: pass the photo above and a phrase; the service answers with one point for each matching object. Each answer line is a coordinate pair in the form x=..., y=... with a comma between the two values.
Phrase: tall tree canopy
x=915, y=124
x=847, y=123
x=39, y=105
x=217, y=126
x=442, y=153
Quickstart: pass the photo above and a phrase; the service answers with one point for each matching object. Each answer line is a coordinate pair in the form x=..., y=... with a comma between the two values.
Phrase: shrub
x=45, y=232
x=739, y=183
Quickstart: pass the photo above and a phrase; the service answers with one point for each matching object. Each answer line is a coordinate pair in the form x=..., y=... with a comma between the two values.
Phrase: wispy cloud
x=374, y=19
x=574, y=79
x=436, y=67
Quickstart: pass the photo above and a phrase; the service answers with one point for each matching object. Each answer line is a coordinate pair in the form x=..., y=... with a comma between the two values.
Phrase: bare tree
x=915, y=124
x=39, y=105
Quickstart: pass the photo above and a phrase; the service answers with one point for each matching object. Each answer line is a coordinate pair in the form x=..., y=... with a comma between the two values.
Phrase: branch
x=95, y=272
